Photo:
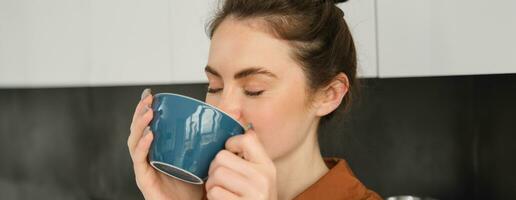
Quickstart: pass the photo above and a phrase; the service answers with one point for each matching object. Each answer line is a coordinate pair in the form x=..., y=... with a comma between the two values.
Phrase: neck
x=300, y=168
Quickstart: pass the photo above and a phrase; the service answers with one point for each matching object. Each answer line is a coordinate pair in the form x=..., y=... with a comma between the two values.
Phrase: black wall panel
x=442, y=137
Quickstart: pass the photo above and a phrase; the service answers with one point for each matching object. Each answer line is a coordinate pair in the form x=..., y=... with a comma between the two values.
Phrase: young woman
x=285, y=66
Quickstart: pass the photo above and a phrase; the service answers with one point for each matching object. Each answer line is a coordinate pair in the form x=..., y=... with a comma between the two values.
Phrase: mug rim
x=200, y=180
x=201, y=102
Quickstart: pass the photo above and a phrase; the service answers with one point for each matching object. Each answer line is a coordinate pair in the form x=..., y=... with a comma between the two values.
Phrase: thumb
x=249, y=146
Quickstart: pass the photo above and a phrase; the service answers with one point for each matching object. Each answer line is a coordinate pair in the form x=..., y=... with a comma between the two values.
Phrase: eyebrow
x=243, y=73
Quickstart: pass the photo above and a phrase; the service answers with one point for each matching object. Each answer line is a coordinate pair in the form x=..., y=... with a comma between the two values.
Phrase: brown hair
x=316, y=30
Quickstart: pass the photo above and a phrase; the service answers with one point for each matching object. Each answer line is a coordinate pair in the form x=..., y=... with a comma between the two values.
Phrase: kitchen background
x=435, y=118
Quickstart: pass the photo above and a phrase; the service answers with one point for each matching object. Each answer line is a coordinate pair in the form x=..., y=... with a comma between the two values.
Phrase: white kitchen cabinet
x=360, y=16
x=129, y=42
x=149, y=42
x=56, y=43
x=61, y=43
x=443, y=37
x=189, y=41
x=43, y=43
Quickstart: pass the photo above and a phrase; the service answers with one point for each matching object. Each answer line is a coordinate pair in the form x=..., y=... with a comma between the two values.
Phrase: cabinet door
x=130, y=42
x=443, y=37
x=360, y=16
x=189, y=41
x=43, y=43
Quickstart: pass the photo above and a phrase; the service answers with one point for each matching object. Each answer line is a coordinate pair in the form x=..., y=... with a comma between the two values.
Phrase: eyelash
x=248, y=93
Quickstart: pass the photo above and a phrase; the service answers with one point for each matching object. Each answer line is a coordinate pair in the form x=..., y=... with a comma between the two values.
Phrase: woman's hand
x=153, y=184
x=252, y=175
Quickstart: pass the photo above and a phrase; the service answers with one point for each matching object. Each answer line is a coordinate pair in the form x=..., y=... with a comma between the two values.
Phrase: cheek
x=210, y=100
x=281, y=123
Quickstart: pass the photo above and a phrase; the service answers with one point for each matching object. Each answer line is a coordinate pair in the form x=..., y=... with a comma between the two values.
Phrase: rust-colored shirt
x=338, y=184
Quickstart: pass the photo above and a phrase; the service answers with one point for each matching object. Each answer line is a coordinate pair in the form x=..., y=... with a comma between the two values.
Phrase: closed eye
x=214, y=90
x=250, y=93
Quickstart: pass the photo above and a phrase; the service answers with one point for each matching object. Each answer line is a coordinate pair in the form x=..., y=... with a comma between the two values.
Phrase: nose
x=231, y=105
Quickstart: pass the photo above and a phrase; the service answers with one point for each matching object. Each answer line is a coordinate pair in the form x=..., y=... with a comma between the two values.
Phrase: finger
x=229, y=180
x=219, y=193
x=146, y=101
x=249, y=146
x=139, y=157
x=141, y=109
x=233, y=162
x=135, y=126
x=138, y=127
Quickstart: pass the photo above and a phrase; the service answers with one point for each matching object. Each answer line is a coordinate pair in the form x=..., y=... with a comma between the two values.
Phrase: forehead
x=238, y=44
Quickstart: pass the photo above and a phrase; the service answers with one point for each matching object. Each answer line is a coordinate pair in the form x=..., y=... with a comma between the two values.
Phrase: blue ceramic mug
x=188, y=133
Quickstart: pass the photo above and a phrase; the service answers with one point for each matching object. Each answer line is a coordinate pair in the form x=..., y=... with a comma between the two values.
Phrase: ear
x=330, y=97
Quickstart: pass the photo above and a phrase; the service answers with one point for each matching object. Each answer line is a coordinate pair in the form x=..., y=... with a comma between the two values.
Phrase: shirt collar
x=338, y=183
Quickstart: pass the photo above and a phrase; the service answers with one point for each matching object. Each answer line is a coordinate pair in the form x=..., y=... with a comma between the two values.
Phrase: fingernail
x=146, y=131
x=145, y=109
x=249, y=127
x=145, y=93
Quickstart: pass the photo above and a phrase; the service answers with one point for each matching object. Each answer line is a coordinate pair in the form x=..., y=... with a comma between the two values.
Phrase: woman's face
x=253, y=78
